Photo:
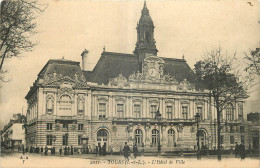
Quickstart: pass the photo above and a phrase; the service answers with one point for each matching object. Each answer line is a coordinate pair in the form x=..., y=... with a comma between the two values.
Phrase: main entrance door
x=102, y=138
x=202, y=138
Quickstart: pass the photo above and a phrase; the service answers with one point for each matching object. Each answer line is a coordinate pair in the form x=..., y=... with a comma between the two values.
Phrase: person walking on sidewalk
x=60, y=150
x=135, y=151
x=236, y=149
x=126, y=151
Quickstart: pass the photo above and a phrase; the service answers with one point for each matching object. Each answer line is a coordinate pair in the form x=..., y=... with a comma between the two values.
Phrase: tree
x=253, y=62
x=217, y=74
x=17, y=27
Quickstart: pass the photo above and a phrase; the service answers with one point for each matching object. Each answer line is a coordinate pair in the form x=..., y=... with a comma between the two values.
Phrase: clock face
x=152, y=72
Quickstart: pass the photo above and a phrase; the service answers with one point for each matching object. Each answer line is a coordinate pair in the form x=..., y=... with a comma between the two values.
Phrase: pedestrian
x=46, y=151
x=23, y=149
x=243, y=151
x=60, y=150
x=100, y=150
x=41, y=150
x=68, y=151
x=135, y=151
x=53, y=150
x=96, y=150
x=104, y=150
x=87, y=150
x=71, y=150
x=126, y=151
x=65, y=150
x=236, y=149
x=26, y=150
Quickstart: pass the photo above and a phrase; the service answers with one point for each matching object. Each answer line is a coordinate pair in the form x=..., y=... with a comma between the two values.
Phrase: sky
x=182, y=27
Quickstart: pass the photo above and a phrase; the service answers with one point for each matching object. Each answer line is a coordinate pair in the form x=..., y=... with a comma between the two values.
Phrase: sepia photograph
x=129, y=83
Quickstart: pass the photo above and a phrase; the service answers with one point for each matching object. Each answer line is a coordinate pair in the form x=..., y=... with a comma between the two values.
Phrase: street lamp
x=197, y=117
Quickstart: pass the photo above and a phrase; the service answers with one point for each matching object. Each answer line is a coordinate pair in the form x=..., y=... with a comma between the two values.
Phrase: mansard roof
x=111, y=64
x=61, y=66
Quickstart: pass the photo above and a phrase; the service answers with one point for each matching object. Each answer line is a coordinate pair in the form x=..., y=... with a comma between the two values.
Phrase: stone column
x=130, y=107
x=143, y=115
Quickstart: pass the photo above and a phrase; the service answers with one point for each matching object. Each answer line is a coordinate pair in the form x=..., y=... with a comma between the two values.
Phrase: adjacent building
x=254, y=129
x=13, y=134
x=140, y=98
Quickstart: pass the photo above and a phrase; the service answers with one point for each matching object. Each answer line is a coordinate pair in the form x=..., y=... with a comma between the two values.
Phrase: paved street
x=15, y=159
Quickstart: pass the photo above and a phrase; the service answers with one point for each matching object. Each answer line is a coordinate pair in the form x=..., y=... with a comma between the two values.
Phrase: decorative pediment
x=123, y=99
x=185, y=101
x=153, y=100
x=199, y=102
x=54, y=79
x=137, y=99
x=119, y=81
x=102, y=98
x=169, y=100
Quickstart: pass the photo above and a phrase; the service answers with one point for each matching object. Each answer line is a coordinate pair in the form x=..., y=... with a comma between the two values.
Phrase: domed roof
x=145, y=18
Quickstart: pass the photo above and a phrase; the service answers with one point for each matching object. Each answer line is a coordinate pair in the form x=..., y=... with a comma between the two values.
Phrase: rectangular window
x=222, y=139
x=137, y=111
x=65, y=126
x=231, y=129
x=80, y=127
x=169, y=112
x=199, y=111
x=241, y=128
x=102, y=110
x=65, y=139
x=232, y=139
x=49, y=139
x=153, y=109
x=79, y=140
x=120, y=110
x=49, y=126
x=185, y=112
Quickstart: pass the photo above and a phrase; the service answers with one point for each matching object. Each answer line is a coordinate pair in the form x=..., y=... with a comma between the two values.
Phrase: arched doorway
x=102, y=138
x=171, y=137
x=202, y=138
x=138, y=137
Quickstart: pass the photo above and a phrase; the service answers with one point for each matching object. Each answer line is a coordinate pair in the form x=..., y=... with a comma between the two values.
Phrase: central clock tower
x=145, y=45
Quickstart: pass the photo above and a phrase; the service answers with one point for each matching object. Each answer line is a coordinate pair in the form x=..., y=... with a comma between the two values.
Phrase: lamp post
x=197, y=117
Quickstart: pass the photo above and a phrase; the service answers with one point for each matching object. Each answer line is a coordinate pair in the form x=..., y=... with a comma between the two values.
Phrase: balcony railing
x=153, y=120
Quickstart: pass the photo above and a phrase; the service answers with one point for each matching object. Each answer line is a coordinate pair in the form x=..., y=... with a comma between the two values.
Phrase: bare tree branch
x=17, y=20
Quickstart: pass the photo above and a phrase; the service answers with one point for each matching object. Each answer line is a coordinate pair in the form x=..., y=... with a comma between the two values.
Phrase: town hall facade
x=139, y=98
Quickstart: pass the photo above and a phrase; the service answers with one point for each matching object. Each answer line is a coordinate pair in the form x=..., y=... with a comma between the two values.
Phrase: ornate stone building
x=119, y=100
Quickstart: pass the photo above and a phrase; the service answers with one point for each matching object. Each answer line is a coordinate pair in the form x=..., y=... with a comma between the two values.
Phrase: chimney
x=84, y=60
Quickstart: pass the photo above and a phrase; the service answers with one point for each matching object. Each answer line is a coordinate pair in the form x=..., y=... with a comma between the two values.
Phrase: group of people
x=127, y=151
x=101, y=151
x=240, y=151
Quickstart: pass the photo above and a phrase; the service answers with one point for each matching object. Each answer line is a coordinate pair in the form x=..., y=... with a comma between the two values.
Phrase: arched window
x=80, y=106
x=155, y=137
x=49, y=105
x=230, y=112
x=171, y=137
x=65, y=104
x=102, y=133
x=138, y=137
